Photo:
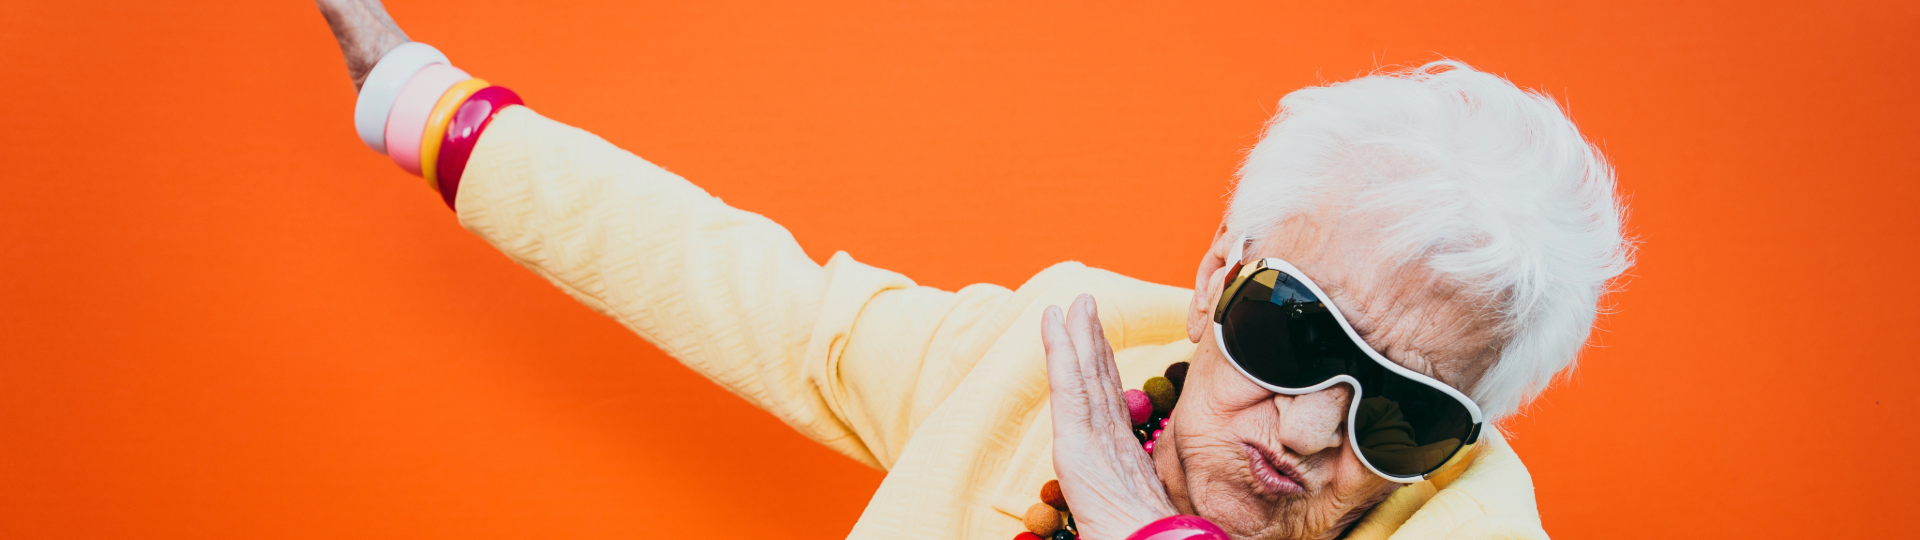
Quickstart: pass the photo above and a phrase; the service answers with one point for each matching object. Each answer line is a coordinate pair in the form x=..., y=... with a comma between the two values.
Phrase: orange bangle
x=431, y=137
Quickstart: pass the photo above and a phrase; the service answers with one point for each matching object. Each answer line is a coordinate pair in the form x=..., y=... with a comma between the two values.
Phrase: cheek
x=1216, y=382
x=1212, y=426
x=1211, y=429
x=1218, y=483
x=1351, y=485
x=1348, y=471
x=1219, y=408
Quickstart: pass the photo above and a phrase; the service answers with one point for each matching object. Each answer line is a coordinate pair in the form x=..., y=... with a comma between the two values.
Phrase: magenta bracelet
x=463, y=131
x=1180, y=528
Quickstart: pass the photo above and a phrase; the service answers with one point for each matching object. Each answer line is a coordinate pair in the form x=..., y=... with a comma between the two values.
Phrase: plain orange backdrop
x=222, y=317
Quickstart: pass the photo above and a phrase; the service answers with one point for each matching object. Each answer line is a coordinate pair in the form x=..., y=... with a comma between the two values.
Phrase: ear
x=1208, y=280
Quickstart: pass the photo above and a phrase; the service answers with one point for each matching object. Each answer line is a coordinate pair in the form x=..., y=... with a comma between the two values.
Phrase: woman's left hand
x=1109, y=481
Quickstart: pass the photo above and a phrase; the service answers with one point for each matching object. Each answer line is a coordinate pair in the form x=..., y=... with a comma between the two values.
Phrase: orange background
x=222, y=317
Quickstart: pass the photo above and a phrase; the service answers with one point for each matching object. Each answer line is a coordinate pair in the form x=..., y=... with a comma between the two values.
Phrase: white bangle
x=383, y=86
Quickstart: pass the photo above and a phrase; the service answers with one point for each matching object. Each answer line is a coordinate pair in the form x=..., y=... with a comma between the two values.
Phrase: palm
x=1109, y=482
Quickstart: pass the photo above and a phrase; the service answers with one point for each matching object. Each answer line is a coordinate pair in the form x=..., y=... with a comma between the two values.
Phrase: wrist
x=425, y=114
x=366, y=54
x=365, y=34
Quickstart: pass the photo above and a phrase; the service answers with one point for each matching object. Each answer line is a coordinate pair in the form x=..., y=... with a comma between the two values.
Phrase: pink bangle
x=1180, y=528
x=464, y=132
x=410, y=110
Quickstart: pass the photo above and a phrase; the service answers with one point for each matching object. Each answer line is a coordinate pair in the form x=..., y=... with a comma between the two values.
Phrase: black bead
x=1062, y=534
x=1177, y=374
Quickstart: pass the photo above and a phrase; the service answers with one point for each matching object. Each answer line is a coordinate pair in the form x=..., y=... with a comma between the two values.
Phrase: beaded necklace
x=1148, y=408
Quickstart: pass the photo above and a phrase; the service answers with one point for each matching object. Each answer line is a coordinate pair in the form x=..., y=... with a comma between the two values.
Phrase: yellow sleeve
x=727, y=292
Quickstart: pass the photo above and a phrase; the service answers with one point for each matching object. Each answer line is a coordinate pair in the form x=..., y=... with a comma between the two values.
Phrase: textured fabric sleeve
x=1492, y=499
x=727, y=292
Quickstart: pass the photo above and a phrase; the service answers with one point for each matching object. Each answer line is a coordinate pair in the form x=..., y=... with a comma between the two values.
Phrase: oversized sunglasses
x=1282, y=331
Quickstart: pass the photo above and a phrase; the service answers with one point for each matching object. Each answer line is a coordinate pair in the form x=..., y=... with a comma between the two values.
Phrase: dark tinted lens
x=1283, y=335
x=1406, y=428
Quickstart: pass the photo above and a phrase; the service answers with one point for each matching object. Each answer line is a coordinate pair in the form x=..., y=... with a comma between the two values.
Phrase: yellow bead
x=1161, y=392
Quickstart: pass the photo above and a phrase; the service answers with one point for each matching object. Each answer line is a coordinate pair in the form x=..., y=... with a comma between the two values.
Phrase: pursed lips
x=1271, y=475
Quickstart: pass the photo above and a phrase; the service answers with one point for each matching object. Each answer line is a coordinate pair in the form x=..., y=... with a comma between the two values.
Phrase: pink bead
x=1148, y=446
x=1156, y=435
x=1139, y=408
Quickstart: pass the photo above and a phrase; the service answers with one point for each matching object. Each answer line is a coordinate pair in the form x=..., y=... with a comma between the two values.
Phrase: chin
x=1249, y=515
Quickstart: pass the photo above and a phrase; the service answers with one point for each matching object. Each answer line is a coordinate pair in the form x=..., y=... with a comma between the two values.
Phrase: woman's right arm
x=727, y=292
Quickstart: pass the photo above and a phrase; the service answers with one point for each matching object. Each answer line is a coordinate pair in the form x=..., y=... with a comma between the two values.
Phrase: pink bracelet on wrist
x=408, y=121
x=1180, y=528
x=463, y=132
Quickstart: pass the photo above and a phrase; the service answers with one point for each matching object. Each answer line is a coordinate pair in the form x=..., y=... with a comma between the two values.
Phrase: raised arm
x=727, y=292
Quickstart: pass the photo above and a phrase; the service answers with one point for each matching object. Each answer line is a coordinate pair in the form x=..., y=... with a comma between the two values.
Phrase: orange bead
x=1051, y=495
x=1043, y=520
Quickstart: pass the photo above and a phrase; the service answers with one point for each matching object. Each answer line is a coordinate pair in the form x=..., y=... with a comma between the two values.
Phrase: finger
x=1063, y=358
x=1087, y=339
x=1085, y=342
x=1105, y=374
x=1098, y=377
x=1065, y=390
x=1109, y=372
x=1104, y=380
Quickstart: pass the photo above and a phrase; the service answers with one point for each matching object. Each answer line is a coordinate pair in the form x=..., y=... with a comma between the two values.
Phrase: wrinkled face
x=1266, y=465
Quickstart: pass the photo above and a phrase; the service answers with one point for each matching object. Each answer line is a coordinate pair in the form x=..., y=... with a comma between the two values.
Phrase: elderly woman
x=1408, y=258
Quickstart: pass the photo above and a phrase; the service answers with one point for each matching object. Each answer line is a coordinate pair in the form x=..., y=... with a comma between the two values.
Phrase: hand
x=365, y=32
x=1109, y=482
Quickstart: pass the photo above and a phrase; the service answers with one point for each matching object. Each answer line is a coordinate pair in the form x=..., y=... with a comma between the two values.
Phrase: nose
x=1310, y=423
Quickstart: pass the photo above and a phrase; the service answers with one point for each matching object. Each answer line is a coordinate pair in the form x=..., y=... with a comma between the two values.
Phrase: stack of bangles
x=418, y=109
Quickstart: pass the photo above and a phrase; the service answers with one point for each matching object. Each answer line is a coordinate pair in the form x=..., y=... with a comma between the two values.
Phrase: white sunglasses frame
x=1473, y=437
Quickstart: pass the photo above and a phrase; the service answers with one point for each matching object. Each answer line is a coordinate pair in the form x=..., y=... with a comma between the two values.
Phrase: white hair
x=1487, y=184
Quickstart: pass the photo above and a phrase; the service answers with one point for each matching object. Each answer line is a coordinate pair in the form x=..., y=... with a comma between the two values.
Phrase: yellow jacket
x=946, y=391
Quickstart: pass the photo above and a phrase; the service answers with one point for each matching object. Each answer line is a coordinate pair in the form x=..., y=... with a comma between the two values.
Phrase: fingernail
x=1052, y=314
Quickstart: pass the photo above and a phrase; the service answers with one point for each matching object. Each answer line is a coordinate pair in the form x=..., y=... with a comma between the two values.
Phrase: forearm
x=727, y=292
x=365, y=32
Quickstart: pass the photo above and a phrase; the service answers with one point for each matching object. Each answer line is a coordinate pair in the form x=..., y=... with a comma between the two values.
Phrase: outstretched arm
x=727, y=292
